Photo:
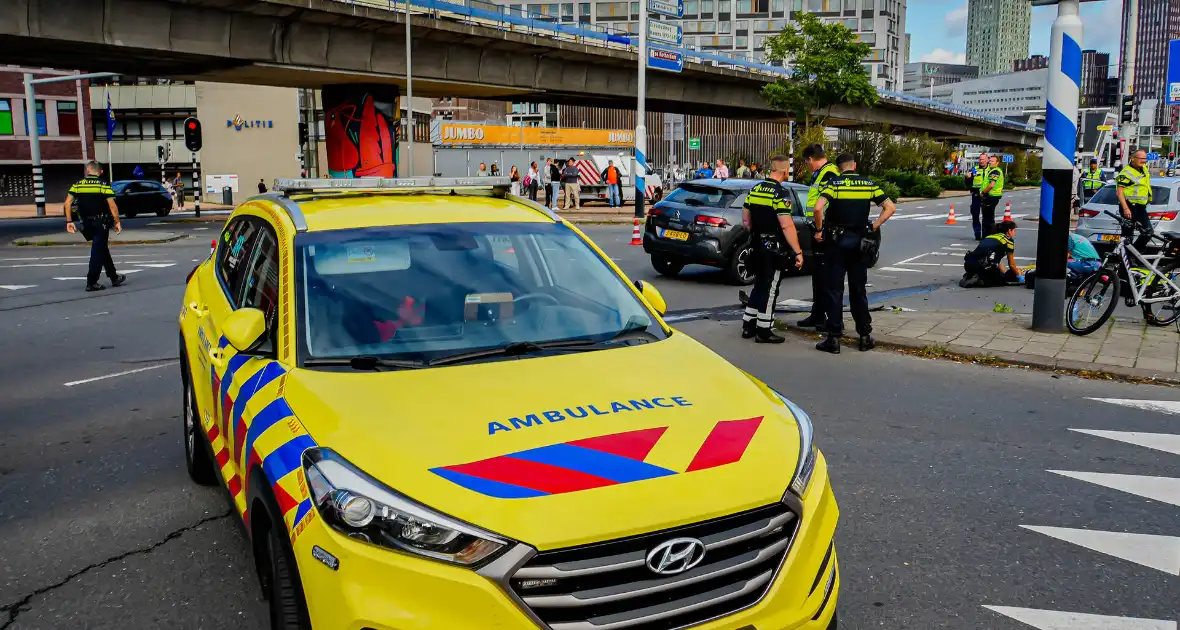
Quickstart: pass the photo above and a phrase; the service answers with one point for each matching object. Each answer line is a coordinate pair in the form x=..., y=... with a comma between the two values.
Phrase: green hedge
x=890, y=189
x=952, y=182
x=910, y=183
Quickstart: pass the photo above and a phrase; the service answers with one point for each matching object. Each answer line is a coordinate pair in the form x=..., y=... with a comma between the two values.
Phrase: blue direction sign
x=1009, y=158
x=1173, y=91
x=673, y=8
x=662, y=59
x=665, y=32
x=1153, y=156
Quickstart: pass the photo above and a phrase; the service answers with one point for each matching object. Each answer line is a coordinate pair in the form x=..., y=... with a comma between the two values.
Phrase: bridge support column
x=361, y=125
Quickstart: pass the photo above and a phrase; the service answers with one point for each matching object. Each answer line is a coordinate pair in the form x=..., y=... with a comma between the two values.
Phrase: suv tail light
x=1162, y=216
x=712, y=221
x=1087, y=213
x=655, y=210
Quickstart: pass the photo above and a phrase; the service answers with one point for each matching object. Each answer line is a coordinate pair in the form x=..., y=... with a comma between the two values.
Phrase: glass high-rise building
x=997, y=34
x=1158, y=22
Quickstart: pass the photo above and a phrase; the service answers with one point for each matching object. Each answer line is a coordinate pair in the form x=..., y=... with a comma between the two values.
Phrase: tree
x=825, y=69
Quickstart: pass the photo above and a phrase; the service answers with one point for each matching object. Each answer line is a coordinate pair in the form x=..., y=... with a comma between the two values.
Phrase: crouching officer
x=95, y=202
x=767, y=215
x=842, y=218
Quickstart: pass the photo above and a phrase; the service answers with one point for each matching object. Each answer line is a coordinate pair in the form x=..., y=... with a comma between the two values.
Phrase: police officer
x=1091, y=180
x=1134, y=191
x=975, y=179
x=95, y=203
x=842, y=217
x=822, y=172
x=767, y=215
x=993, y=187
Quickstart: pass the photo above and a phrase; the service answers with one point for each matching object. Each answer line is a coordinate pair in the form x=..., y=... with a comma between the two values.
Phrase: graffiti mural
x=361, y=124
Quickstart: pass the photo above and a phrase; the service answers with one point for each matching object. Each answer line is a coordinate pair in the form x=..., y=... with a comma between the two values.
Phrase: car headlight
x=807, y=451
x=362, y=508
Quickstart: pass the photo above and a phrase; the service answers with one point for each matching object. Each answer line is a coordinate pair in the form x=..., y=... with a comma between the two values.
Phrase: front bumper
x=379, y=589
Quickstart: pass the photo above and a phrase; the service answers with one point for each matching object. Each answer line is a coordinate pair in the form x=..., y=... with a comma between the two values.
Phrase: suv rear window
x=693, y=195
x=1160, y=196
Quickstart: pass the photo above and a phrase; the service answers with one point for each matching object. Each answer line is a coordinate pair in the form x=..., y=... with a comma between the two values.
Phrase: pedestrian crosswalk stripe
x=898, y=269
x=16, y=287
x=1060, y=620
x=1162, y=406
x=1165, y=442
x=1162, y=489
x=1157, y=552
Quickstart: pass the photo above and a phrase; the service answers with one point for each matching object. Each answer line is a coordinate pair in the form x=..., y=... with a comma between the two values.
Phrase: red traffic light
x=1171, y=155
x=192, y=124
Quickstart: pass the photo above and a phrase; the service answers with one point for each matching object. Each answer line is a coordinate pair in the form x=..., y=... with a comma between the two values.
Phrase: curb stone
x=20, y=242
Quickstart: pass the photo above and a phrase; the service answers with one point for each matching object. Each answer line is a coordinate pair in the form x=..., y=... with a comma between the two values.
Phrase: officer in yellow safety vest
x=975, y=179
x=1091, y=181
x=823, y=172
x=1134, y=191
x=993, y=187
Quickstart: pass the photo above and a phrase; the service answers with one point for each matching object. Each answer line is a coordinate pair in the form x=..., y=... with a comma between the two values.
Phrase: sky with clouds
x=938, y=29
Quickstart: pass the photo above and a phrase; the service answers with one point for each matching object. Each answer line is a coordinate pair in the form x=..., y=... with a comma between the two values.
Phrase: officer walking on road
x=975, y=179
x=1134, y=192
x=823, y=172
x=767, y=215
x=842, y=218
x=95, y=201
x=1091, y=181
x=993, y=187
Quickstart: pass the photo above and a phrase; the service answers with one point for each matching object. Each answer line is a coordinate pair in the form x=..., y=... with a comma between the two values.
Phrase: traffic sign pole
x=640, y=169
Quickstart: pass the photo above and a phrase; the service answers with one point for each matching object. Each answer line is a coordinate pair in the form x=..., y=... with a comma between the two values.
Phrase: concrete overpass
x=458, y=50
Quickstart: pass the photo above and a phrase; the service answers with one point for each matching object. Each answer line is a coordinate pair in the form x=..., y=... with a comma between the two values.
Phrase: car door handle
x=217, y=358
x=197, y=309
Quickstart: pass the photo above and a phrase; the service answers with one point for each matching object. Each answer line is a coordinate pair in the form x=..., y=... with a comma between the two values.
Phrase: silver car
x=1103, y=231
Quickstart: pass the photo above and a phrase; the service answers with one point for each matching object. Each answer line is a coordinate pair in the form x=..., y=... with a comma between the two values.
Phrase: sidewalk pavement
x=29, y=211
x=127, y=237
x=1124, y=347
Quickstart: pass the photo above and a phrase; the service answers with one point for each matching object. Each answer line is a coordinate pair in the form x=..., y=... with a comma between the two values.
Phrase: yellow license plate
x=676, y=235
x=1111, y=237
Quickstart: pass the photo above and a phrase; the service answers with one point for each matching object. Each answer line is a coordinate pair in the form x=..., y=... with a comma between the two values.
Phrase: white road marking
x=1163, y=406
x=1165, y=442
x=900, y=269
x=1162, y=489
x=909, y=259
x=16, y=287
x=796, y=303
x=957, y=246
x=932, y=264
x=196, y=229
x=117, y=374
x=73, y=264
x=125, y=271
x=1156, y=552
x=917, y=217
x=117, y=256
x=1060, y=620
x=155, y=265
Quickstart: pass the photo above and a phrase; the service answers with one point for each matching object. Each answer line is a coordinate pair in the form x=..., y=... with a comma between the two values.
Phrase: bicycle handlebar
x=1132, y=225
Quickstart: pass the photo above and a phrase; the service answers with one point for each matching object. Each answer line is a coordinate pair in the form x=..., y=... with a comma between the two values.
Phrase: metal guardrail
x=503, y=17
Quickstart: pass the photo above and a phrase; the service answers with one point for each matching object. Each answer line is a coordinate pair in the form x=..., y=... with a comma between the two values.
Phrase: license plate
x=1111, y=237
x=675, y=235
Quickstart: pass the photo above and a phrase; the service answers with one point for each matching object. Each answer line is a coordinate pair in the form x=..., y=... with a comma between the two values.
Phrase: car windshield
x=424, y=292
x=119, y=187
x=693, y=195
x=1108, y=196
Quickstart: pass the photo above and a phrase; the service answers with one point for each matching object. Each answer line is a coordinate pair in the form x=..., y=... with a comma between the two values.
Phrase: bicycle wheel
x=1093, y=302
x=1162, y=313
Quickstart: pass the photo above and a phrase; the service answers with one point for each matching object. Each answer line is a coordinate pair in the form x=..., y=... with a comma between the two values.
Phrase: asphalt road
x=939, y=467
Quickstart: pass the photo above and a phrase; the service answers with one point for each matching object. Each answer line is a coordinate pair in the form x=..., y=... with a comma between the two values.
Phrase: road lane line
x=900, y=269
x=1162, y=489
x=118, y=374
x=1165, y=442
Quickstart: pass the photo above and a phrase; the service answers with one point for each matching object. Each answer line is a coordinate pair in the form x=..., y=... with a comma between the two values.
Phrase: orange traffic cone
x=950, y=218
x=636, y=237
x=1008, y=211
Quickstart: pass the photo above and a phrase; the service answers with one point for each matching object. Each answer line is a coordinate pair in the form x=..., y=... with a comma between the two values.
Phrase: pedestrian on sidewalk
x=984, y=266
x=554, y=183
x=495, y=170
x=262, y=186
x=97, y=212
x=822, y=173
x=532, y=181
x=743, y=171
x=569, y=180
x=993, y=188
x=975, y=178
x=705, y=172
x=483, y=170
x=722, y=171
x=767, y=216
x=514, y=180
x=611, y=176
x=178, y=186
x=845, y=229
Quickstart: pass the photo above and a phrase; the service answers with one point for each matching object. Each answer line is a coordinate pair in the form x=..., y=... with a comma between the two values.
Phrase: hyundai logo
x=675, y=556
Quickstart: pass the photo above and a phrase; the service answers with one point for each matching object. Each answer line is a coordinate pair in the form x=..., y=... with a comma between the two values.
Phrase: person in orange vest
x=613, y=179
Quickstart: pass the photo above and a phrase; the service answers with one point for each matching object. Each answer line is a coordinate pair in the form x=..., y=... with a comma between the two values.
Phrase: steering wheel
x=537, y=296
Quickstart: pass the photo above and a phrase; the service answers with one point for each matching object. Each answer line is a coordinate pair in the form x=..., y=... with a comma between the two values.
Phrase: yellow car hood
x=563, y=450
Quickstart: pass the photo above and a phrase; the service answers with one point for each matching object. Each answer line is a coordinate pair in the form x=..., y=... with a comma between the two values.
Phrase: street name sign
x=672, y=8
x=662, y=59
x=665, y=32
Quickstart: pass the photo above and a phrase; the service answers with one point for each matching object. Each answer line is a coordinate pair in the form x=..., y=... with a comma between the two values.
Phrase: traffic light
x=302, y=134
x=192, y=134
x=160, y=152
x=1127, y=109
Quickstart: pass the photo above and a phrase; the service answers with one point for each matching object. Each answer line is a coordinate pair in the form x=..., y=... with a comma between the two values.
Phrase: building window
x=42, y=125
x=584, y=12
x=866, y=24
x=723, y=28
x=706, y=8
x=612, y=10
x=690, y=8
x=67, y=118
x=5, y=117
x=634, y=10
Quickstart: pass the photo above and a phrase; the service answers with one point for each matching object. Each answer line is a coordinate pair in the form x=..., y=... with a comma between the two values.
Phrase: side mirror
x=245, y=329
x=653, y=297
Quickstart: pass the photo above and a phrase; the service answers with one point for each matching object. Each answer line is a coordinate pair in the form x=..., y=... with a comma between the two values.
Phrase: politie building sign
x=239, y=123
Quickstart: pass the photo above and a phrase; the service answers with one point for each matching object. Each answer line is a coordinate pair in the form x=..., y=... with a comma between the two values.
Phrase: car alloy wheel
x=744, y=271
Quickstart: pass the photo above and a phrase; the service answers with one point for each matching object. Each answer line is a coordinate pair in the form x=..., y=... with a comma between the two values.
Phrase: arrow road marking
x=1162, y=489
x=1159, y=441
x=1057, y=620
x=1162, y=406
x=1157, y=552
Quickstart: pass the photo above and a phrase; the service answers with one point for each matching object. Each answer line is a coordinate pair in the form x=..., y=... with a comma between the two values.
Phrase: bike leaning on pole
x=1152, y=282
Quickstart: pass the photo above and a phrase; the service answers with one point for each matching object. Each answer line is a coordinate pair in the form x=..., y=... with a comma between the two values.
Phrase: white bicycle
x=1152, y=284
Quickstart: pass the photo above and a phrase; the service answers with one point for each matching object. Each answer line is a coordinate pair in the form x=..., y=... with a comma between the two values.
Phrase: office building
x=997, y=34
x=1011, y=94
x=1034, y=62
x=1111, y=95
x=1158, y=22
x=1095, y=72
x=469, y=109
x=907, y=48
x=920, y=76
x=63, y=127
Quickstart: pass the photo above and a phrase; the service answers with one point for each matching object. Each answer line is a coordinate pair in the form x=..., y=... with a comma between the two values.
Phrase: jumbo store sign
x=502, y=135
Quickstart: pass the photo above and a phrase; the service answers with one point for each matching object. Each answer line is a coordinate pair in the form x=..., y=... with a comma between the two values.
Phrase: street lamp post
x=1065, y=72
x=640, y=169
x=409, y=102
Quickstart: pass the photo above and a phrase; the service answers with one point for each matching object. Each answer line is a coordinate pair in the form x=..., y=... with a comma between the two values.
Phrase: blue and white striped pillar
x=1065, y=78
x=640, y=170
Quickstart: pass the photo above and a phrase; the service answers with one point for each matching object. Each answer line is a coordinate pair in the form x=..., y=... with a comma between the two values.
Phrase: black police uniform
x=981, y=266
x=766, y=202
x=846, y=221
x=819, y=291
x=90, y=204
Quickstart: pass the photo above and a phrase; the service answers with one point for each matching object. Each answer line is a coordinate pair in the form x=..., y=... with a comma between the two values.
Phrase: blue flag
x=110, y=119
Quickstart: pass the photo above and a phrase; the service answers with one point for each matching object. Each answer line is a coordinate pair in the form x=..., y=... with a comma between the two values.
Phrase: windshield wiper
x=365, y=363
x=514, y=349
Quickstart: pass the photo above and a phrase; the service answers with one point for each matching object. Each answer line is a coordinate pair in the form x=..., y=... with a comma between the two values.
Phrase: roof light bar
x=285, y=184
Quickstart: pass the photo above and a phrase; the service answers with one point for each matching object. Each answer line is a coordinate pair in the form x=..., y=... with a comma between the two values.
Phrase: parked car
x=141, y=196
x=701, y=223
x=1104, y=231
